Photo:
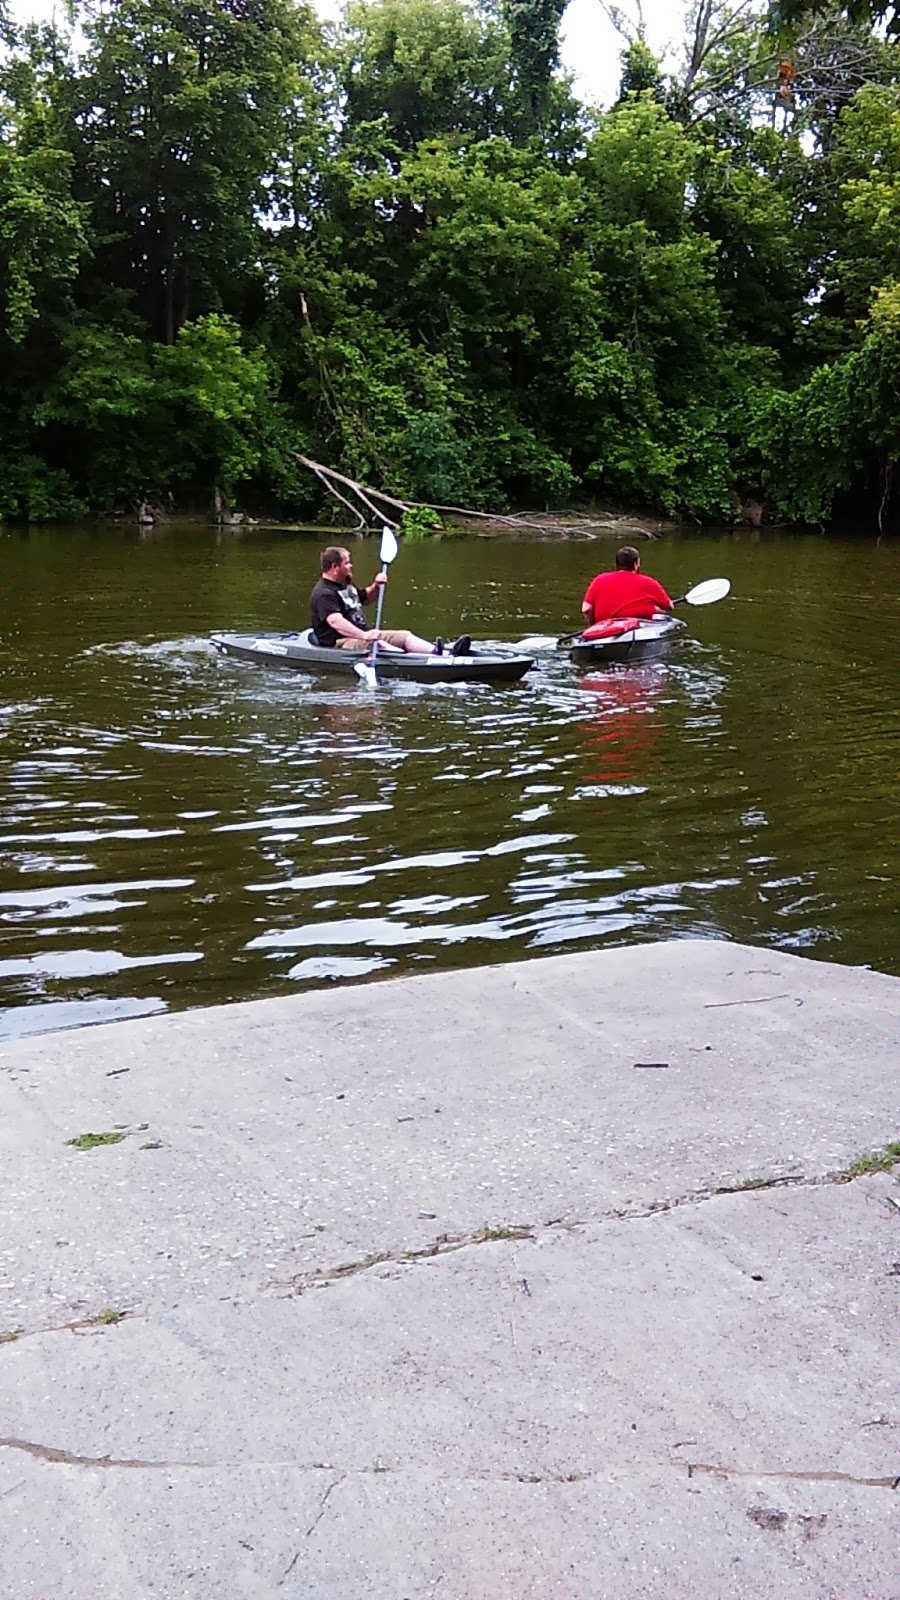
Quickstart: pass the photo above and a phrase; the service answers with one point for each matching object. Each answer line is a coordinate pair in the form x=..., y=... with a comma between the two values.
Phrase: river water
x=180, y=830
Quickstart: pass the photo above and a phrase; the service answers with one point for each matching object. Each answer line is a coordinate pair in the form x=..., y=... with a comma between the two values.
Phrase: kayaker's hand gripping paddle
x=387, y=553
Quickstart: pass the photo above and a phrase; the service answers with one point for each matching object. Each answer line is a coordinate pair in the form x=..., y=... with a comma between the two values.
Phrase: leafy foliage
x=399, y=245
x=419, y=522
x=786, y=14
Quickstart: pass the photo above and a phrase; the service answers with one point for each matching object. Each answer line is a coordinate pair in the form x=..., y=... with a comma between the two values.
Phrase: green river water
x=181, y=830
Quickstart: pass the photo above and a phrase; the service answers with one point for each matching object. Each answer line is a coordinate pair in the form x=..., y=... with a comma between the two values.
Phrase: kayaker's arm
x=349, y=630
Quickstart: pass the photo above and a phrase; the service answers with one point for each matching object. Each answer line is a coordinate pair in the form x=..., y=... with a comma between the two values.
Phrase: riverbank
x=595, y=524
x=571, y=1277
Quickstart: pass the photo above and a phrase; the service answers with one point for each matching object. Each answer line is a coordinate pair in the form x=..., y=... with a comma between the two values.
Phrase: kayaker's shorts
x=398, y=637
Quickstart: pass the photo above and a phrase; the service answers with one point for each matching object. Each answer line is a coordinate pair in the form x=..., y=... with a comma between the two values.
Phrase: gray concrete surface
x=455, y=1286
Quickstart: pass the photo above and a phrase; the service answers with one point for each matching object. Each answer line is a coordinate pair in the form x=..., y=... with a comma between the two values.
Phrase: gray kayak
x=629, y=640
x=300, y=653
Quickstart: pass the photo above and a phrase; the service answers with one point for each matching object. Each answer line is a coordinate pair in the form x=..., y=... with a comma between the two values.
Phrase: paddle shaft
x=378, y=610
x=388, y=553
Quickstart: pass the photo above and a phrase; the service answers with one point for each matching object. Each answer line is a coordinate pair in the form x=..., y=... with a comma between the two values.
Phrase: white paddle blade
x=366, y=674
x=705, y=594
x=539, y=641
x=389, y=547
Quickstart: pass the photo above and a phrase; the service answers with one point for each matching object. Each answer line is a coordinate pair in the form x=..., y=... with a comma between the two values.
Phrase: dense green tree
x=654, y=323
x=179, y=130
x=837, y=431
x=42, y=234
x=533, y=27
x=401, y=247
x=640, y=71
x=44, y=241
x=868, y=161
x=786, y=14
x=158, y=418
x=419, y=69
x=751, y=199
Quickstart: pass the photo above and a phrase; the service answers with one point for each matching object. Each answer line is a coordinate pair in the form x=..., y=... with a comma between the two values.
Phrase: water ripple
x=225, y=831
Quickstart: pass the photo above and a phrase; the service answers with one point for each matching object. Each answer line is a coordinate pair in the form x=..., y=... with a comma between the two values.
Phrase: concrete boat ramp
x=571, y=1278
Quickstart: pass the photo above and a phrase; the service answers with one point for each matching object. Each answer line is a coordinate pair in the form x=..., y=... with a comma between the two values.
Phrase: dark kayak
x=300, y=652
x=627, y=639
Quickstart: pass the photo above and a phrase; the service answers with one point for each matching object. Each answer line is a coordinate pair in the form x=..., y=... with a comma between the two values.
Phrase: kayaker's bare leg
x=402, y=639
x=362, y=646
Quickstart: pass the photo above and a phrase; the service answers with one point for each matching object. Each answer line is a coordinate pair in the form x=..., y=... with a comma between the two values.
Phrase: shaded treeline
x=401, y=246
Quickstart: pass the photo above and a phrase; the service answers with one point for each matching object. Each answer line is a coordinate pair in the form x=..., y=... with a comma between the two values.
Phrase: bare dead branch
x=320, y=474
x=699, y=46
x=830, y=62
x=627, y=28
x=329, y=477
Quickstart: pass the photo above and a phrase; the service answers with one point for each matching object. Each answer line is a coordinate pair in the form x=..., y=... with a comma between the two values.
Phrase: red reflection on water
x=623, y=726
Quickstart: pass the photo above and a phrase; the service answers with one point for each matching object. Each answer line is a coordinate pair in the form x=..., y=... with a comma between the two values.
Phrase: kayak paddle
x=702, y=594
x=387, y=553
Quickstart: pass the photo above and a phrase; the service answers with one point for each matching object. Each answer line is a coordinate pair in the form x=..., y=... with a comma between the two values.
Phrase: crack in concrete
x=447, y=1243
x=797, y=1477
x=444, y=1244
x=321, y=1511
x=313, y=1525
x=288, y=1570
x=95, y=1323
x=68, y=1458
x=48, y=1452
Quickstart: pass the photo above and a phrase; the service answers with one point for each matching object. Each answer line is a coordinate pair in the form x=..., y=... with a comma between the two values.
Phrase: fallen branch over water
x=368, y=497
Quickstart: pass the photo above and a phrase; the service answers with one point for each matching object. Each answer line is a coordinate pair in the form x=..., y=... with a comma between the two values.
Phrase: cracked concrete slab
x=454, y=1286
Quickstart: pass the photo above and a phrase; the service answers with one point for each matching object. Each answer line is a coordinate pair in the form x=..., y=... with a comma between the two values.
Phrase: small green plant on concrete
x=105, y=1319
x=92, y=1141
x=488, y=1233
x=10, y=1336
x=876, y=1161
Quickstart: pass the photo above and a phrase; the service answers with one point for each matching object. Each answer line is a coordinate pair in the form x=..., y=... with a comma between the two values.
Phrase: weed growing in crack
x=92, y=1141
x=876, y=1161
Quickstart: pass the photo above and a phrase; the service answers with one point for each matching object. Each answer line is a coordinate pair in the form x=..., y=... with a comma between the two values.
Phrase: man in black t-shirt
x=336, y=612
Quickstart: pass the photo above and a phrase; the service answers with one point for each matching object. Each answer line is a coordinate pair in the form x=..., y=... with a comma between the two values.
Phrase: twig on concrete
x=757, y=1000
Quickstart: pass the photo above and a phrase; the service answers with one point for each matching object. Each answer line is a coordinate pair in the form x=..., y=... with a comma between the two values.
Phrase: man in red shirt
x=624, y=593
